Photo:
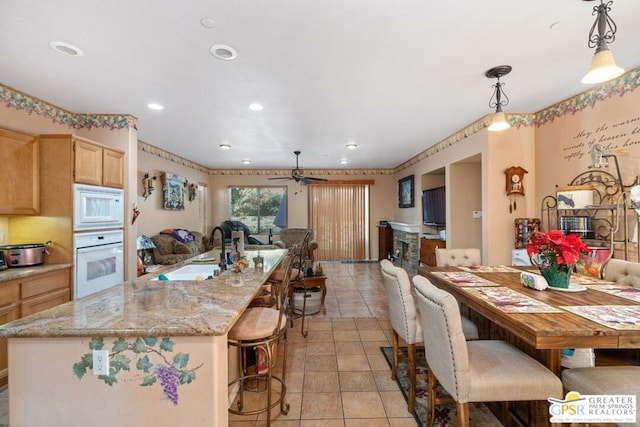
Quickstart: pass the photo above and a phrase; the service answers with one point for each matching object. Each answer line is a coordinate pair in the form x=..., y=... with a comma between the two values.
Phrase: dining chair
x=622, y=272
x=260, y=330
x=405, y=320
x=474, y=371
x=458, y=257
x=609, y=380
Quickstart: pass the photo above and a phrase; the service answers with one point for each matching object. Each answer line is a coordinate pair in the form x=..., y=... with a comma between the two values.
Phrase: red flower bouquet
x=556, y=255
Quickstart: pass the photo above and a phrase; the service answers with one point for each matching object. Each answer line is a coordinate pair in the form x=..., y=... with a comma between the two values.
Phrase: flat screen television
x=434, y=206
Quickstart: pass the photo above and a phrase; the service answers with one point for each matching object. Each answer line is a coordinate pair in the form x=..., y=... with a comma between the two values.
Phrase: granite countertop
x=147, y=307
x=22, y=272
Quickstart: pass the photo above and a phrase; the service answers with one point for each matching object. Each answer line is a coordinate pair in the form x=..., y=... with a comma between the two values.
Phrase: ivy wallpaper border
x=13, y=98
x=624, y=84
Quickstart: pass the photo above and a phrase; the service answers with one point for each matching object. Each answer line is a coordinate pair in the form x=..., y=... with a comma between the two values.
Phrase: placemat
x=581, y=279
x=623, y=291
x=511, y=301
x=489, y=269
x=461, y=279
x=612, y=316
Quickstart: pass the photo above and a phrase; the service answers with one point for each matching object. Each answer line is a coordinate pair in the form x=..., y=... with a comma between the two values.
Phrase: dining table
x=592, y=313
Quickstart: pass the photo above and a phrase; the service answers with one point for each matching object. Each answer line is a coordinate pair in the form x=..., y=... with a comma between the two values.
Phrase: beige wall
x=153, y=217
x=553, y=151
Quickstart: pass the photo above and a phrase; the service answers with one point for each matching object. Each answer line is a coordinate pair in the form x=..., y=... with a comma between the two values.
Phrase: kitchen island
x=166, y=360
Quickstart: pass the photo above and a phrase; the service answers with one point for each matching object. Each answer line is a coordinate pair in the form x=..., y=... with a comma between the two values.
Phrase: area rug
x=479, y=415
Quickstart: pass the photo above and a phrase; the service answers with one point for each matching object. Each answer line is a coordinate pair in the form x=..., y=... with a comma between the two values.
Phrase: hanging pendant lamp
x=603, y=31
x=499, y=120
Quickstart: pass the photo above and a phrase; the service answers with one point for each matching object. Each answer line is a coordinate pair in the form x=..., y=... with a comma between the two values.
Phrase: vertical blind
x=339, y=217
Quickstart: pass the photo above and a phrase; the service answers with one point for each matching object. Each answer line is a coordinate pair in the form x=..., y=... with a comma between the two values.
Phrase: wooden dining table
x=544, y=333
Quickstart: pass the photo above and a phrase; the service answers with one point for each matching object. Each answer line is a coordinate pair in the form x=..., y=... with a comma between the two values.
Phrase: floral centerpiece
x=239, y=265
x=556, y=255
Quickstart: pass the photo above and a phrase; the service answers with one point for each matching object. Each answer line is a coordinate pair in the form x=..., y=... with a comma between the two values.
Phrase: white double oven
x=98, y=221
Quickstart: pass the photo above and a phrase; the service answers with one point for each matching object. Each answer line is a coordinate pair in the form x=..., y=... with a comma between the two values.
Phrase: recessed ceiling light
x=225, y=147
x=343, y=161
x=256, y=107
x=207, y=22
x=224, y=52
x=65, y=48
x=246, y=162
x=154, y=106
x=351, y=146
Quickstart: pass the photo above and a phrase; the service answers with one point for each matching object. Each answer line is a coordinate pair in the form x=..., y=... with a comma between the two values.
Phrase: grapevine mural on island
x=154, y=359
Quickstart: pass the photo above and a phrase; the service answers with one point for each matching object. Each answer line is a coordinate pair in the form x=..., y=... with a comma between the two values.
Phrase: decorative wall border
x=13, y=98
x=166, y=155
x=624, y=84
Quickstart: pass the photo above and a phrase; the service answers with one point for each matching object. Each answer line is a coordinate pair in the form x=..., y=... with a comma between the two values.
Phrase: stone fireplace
x=406, y=246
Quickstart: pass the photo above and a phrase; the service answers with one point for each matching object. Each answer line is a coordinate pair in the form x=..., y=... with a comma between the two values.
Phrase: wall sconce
x=603, y=67
x=499, y=121
x=147, y=185
x=192, y=192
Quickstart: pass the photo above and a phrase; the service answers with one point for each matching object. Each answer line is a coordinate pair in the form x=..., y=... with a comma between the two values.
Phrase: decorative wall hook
x=147, y=185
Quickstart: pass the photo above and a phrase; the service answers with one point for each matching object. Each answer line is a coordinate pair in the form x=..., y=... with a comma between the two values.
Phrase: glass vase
x=557, y=276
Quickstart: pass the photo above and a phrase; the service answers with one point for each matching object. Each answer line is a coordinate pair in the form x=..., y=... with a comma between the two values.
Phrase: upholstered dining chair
x=262, y=329
x=474, y=371
x=622, y=272
x=405, y=320
x=456, y=257
x=617, y=380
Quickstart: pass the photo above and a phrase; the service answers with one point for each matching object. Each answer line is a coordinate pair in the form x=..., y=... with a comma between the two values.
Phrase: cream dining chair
x=617, y=380
x=458, y=257
x=474, y=371
x=405, y=320
x=622, y=272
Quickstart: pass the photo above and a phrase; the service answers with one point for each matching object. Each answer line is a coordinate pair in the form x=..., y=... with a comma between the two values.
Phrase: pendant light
x=499, y=121
x=603, y=32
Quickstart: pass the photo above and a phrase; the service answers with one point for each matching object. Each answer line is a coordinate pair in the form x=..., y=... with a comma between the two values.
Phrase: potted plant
x=556, y=255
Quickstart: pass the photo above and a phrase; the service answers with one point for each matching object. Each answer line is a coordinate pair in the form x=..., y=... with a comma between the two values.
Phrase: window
x=258, y=207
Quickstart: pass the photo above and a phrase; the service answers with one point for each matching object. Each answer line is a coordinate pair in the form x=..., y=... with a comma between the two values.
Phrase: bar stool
x=261, y=329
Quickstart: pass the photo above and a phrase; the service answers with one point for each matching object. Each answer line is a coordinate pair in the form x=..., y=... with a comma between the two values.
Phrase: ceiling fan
x=297, y=174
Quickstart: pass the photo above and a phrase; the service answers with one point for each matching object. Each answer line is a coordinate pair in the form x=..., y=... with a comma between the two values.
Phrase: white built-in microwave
x=97, y=208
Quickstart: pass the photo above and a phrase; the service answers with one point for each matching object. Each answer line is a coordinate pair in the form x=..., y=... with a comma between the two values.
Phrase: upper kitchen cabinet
x=20, y=173
x=98, y=165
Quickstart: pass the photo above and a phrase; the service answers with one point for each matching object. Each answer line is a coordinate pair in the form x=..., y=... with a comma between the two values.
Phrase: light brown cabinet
x=20, y=173
x=23, y=297
x=98, y=165
x=428, y=250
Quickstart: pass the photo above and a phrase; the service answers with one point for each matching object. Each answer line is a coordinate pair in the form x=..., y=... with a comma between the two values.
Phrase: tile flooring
x=337, y=376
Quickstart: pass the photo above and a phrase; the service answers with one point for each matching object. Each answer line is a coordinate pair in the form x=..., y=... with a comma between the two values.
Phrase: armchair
x=295, y=236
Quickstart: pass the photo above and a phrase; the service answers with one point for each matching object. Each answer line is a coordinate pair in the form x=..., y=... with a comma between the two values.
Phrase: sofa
x=291, y=236
x=170, y=250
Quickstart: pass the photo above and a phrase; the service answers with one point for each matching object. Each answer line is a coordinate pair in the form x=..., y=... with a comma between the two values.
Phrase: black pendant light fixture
x=499, y=99
x=603, y=32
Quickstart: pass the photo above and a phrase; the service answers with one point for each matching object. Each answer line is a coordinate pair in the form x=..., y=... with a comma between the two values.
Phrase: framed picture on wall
x=173, y=192
x=405, y=192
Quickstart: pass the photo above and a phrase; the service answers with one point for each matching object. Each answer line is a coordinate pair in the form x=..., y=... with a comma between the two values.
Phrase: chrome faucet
x=223, y=254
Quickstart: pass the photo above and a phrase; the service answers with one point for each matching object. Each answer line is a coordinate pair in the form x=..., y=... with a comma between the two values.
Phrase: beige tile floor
x=337, y=376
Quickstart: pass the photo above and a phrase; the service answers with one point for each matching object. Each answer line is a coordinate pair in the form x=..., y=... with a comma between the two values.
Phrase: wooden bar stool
x=261, y=330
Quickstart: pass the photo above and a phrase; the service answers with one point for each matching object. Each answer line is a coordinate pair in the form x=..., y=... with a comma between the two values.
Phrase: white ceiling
x=394, y=77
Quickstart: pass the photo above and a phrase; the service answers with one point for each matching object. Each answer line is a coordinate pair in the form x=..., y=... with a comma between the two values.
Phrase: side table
x=305, y=283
